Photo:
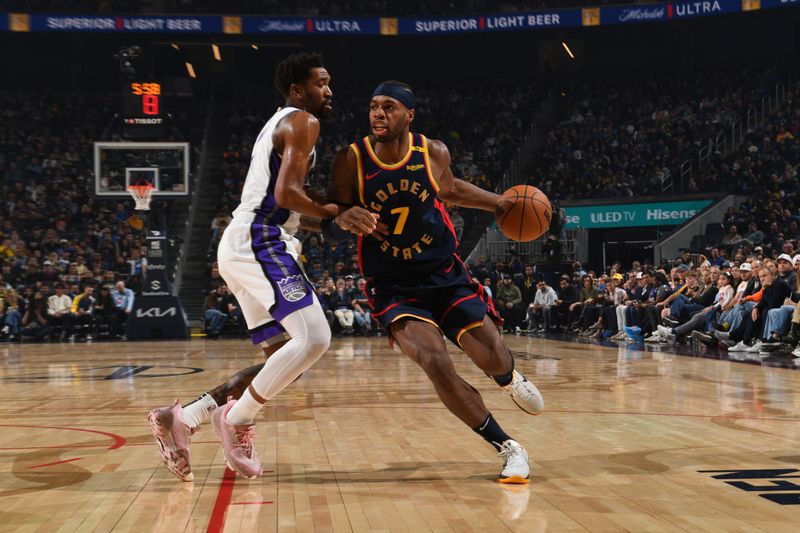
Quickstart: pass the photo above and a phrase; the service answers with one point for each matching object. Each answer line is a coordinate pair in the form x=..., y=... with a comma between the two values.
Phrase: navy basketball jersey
x=421, y=237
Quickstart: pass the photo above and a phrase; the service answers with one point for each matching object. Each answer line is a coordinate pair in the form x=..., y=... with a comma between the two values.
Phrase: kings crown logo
x=293, y=288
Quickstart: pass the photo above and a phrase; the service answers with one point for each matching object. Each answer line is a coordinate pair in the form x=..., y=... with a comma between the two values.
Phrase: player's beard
x=325, y=110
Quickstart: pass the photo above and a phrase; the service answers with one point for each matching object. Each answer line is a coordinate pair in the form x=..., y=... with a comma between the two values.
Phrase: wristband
x=332, y=232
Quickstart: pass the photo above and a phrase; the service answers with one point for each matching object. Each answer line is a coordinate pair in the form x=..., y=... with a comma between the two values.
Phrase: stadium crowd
x=69, y=262
x=625, y=137
x=53, y=233
x=750, y=306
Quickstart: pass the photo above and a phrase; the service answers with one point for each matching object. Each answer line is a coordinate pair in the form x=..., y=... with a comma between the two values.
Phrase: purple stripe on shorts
x=292, y=290
x=269, y=331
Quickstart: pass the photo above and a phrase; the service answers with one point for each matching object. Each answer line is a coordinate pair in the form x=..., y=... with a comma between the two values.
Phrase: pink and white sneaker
x=237, y=443
x=174, y=438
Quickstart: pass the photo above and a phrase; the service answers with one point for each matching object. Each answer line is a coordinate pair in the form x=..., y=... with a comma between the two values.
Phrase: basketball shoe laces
x=523, y=392
x=512, y=455
x=244, y=439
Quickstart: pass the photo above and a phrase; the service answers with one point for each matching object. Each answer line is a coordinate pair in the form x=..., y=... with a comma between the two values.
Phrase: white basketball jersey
x=258, y=194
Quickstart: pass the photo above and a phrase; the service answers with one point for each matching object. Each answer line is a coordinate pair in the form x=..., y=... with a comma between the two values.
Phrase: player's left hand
x=357, y=220
x=381, y=230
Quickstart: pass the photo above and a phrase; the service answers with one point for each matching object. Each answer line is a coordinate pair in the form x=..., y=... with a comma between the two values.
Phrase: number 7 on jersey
x=401, y=220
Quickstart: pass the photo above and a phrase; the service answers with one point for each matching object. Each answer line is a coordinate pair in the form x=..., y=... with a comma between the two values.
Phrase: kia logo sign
x=156, y=312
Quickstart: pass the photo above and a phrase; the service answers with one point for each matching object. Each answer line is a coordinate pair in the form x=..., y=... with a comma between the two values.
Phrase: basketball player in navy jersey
x=418, y=286
x=258, y=257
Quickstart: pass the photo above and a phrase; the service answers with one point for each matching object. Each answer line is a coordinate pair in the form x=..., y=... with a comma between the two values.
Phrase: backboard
x=118, y=165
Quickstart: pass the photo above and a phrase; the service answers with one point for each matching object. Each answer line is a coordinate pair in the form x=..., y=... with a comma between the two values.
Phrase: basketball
x=524, y=213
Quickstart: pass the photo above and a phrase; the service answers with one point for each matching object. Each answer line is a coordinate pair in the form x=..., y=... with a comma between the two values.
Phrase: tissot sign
x=633, y=215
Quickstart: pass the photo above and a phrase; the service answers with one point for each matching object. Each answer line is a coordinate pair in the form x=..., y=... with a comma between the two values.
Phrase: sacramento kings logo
x=293, y=288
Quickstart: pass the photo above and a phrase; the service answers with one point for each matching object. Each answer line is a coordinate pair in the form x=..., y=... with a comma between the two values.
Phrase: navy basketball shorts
x=447, y=298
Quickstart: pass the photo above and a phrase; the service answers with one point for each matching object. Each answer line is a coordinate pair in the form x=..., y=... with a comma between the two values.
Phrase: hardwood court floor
x=361, y=443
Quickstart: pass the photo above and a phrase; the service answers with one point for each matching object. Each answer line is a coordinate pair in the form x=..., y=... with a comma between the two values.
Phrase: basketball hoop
x=142, y=194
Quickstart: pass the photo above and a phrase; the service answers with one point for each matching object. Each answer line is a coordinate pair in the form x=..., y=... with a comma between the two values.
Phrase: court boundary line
x=216, y=522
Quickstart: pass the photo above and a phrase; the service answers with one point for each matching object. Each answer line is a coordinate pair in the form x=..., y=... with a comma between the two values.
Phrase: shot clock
x=142, y=109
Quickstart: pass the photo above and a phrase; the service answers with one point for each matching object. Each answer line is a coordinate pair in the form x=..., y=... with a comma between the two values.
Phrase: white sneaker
x=525, y=394
x=664, y=331
x=655, y=337
x=722, y=335
x=796, y=352
x=515, y=468
x=754, y=348
x=739, y=347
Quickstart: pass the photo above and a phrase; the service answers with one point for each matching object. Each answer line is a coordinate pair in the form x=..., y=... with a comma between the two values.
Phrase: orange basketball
x=524, y=213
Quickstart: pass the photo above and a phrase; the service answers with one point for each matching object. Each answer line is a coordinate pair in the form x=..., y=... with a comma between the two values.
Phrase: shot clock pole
x=157, y=312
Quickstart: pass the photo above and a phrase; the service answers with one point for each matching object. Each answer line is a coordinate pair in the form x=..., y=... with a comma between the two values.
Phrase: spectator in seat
x=219, y=224
x=715, y=258
x=686, y=305
x=775, y=291
x=509, y=303
x=34, y=321
x=528, y=287
x=753, y=235
x=108, y=249
x=323, y=295
x=458, y=222
x=316, y=271
x=313, y=251
x=7, y=250
x=216, y=315
x=567, y=295
x=487, y=286
x=773, y=240
x=702, y=320
x=732, y=239
x=12, y=317
x=342, y=307
x=541, y=307
x=58, y=310
x=137, y=265
x=105, y=312
x=230, y=306
x=81, y=312
x=349, y=284
x=214, y=280
x=786, y=270
x=71, y=276
x=615, y=297
x=361, y=310
x=588, y=295
x=123, y=302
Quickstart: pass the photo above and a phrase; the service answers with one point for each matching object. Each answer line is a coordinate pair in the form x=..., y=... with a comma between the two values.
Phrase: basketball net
x=142, y=194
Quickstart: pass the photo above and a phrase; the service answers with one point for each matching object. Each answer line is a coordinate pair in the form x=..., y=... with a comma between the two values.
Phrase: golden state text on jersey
x=421, y=237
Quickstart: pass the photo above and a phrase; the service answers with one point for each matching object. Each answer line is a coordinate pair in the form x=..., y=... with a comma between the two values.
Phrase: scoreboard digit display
x=142, y=109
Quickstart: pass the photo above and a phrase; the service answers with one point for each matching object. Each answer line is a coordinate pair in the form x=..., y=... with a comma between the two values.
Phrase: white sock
x=310, y=337
x=244, y=410
x=198, y=411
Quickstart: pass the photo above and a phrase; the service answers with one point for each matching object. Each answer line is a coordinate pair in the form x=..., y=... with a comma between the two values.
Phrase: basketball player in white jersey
x=258, y=257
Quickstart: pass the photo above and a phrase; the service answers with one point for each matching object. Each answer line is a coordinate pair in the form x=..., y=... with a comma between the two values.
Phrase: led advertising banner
x=633, y=215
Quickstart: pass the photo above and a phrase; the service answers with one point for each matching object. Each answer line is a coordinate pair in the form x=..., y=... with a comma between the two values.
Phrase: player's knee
x=318, y=339
x=435, y=362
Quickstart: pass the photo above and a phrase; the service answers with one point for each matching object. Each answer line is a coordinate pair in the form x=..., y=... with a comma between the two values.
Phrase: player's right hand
x=357, y=220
